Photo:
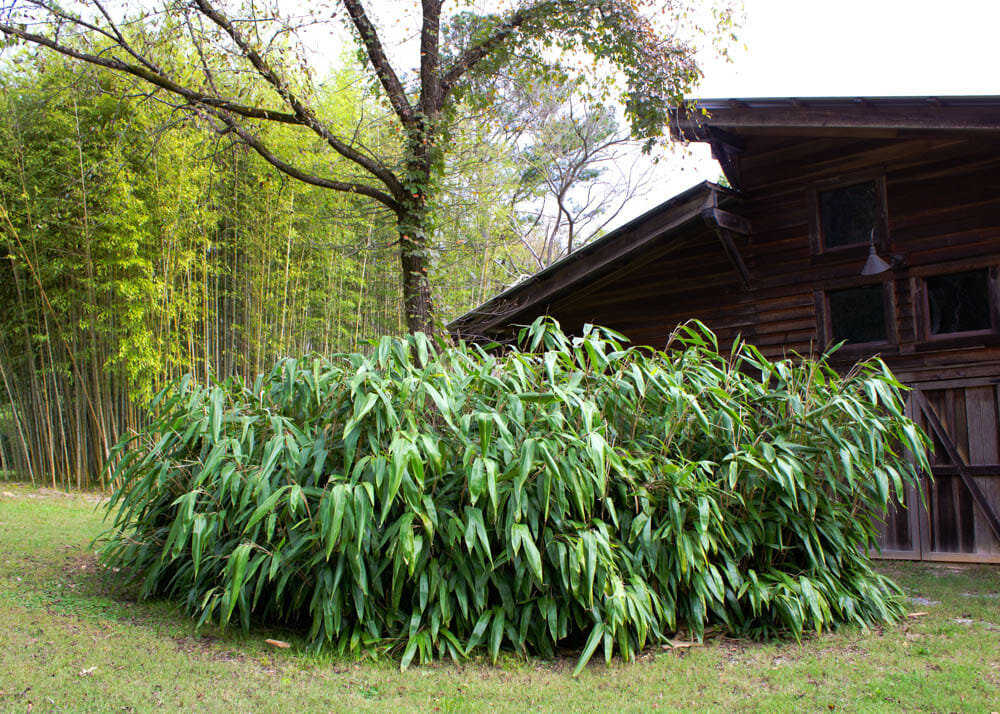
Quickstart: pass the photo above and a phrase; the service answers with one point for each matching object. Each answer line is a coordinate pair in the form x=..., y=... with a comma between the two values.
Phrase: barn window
x=959, y=302
x=857, y=315
x=849, y=214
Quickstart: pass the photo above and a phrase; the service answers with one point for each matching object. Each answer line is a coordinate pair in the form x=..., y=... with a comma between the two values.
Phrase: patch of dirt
x=81, y=563
x=207, y=646
x=14, y=491
x=950, y=568
x=84, y=569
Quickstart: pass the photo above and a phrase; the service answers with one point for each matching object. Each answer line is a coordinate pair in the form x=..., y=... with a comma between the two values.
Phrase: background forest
x=137, y=247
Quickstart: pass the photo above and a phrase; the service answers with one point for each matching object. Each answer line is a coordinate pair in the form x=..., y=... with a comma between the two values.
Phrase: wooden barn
x=870, y=220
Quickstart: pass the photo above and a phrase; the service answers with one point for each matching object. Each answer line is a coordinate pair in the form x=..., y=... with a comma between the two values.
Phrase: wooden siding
x=943, y=206
x=649, y=296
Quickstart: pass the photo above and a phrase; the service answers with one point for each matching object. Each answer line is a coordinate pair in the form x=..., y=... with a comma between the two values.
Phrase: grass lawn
x=68, y=644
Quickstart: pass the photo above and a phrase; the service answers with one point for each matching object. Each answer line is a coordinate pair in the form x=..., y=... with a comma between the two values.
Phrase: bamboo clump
x=428, y=500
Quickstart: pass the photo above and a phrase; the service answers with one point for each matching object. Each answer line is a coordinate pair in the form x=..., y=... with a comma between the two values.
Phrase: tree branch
x=304, y=114
x=286, y=168
x=120, y=38
x=476, y=54
x=157, y=79
x=150, y=72
x=380, y=62
x=430, y=58
x=114, y=35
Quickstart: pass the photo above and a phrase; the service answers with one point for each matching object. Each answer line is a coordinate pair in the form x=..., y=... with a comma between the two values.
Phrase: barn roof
x=661, y=223
x=773, y=114
x=728, y=125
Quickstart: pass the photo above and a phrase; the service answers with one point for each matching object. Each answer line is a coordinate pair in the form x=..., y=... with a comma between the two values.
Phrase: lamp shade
x=874, y=265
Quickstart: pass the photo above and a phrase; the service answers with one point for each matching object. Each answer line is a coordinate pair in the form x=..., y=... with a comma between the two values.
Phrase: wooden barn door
x=900, y=533
x=960, y=518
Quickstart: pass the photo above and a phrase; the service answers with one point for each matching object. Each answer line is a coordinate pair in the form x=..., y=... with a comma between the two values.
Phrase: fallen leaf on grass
x=279, y=644
x=918, y=614
x=87, y=672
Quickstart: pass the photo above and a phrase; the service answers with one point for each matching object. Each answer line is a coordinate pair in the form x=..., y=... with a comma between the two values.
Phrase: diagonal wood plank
x=956, y=458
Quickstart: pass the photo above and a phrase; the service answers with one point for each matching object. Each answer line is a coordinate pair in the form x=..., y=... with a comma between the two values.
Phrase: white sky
x=808, y=48
x=862, y=47
x=803, y=48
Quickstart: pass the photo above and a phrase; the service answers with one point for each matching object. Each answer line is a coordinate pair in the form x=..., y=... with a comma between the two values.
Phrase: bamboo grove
x=138, y=247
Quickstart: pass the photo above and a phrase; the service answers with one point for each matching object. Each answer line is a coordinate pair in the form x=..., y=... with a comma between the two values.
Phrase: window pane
x=848, y=214
x=959, y=302
x=858, y=314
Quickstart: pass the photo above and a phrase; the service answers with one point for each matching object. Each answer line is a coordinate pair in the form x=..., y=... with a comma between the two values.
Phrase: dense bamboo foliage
x=427, y=500
x=137, y=248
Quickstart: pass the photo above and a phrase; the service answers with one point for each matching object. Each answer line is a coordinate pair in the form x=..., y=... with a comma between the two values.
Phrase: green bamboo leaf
x=588, y=649
x=537, y=397
x=491, y=481
x=265, y=508
x=478, y=631
x=597, y=448
x=216, y=414
x=534, y=559
x=443, y=407
x=408, y=653
x=496, y=634
x=398, y=464
x=333, y=510
x=590, y=553
x=360, y=411
x=527, y=458
x=485, y=423
x=237, y=569
x=197, y=531
x=477, y=479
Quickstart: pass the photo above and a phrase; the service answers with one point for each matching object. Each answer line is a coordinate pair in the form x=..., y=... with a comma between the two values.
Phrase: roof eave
x=967, y=113
x=602, y=254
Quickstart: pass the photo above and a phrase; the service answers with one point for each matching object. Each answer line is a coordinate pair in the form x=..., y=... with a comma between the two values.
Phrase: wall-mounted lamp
x=875, y=265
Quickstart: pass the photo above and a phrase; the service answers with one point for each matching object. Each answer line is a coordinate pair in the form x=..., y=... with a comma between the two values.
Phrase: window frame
x=921, y=301
x=853, y=350
x=816, y=243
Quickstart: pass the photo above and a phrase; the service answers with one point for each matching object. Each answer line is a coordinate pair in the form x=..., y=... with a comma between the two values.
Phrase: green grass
x=68, y=642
